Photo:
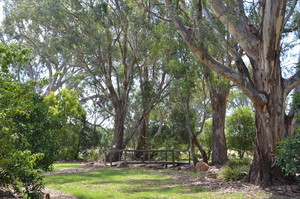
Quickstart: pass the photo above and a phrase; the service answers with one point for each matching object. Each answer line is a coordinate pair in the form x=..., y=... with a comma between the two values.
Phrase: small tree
x=241, y=130
x=69, y=117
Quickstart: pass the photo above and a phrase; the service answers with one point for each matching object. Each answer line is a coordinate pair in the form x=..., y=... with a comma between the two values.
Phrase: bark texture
x=219, y=149
x=143, y=137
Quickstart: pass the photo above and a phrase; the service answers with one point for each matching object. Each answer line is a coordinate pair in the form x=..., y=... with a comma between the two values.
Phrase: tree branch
x=244, y=33
x=291, y=83
x=288, y=16
x=213, y=64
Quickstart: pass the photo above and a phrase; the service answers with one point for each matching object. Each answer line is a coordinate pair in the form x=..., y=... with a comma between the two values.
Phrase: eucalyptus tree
x=218, y=86
x=219, y=90
x=153, y=74
x=190, y=97
x=53, y=61
x=107, y=41
x=257, y=29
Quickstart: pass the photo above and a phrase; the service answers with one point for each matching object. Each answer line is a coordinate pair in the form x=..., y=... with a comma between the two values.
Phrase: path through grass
x=133, y=183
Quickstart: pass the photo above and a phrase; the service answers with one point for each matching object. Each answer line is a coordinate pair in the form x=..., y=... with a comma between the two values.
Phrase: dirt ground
x=191, y=181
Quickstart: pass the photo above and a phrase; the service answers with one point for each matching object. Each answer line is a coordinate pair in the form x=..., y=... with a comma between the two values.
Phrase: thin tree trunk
x=192, y=149
x=190, y=130
x=202, y=151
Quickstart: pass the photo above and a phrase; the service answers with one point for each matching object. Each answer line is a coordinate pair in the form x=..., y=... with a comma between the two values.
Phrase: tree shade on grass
x=129, y=183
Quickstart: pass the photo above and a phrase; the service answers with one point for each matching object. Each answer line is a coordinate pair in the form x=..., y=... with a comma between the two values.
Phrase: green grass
x=133, y=183
x=58, y=166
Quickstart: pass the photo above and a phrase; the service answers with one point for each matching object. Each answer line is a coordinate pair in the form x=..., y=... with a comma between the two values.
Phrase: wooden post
x=166, y=153
x=143, y=157
x=189, y=157
x=105, y=155
x=125, y=157
x=110, y=158
x=173, y=158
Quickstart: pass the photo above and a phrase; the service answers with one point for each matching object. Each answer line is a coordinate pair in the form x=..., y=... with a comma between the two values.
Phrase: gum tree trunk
x=118, y=140
x=270, y=129
x=143, y=137
x=219, y=148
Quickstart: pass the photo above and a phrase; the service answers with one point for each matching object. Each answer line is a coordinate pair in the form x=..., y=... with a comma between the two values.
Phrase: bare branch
x=291, y=83
x=288, y=16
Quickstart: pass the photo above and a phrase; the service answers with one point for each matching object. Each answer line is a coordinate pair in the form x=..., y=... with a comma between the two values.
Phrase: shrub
x=235, y=169
x=288, y=156
x=240, y=130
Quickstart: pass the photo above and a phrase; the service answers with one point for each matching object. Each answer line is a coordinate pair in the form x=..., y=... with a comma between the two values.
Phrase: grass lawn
x=58, y=166
x=139, y=183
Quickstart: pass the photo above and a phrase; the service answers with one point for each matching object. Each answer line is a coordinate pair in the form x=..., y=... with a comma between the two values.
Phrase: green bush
x=240, y=126
x=26, y=140
x=235, y=169
x=94, y=154
x=288, y=156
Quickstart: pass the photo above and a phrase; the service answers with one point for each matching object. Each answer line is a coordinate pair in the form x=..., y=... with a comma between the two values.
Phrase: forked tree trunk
x=186, y=109
x=192, y=136
x=219, y=149
x=143, y=137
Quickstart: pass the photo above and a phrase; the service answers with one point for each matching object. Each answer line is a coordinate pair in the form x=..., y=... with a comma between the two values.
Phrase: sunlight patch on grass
x=58, y=166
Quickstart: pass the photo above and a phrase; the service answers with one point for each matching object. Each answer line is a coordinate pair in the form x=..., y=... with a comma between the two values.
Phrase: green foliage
x=178, y=124
x=13, y=54
x=237, y=99
x=167, y=139
x=205, y=138
x=24, y=133
x=235, y=169
x=69, y=118
x=240, y=128
x=288, y=156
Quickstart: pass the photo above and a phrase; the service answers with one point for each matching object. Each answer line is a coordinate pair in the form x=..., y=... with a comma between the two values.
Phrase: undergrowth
x=235, y=169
